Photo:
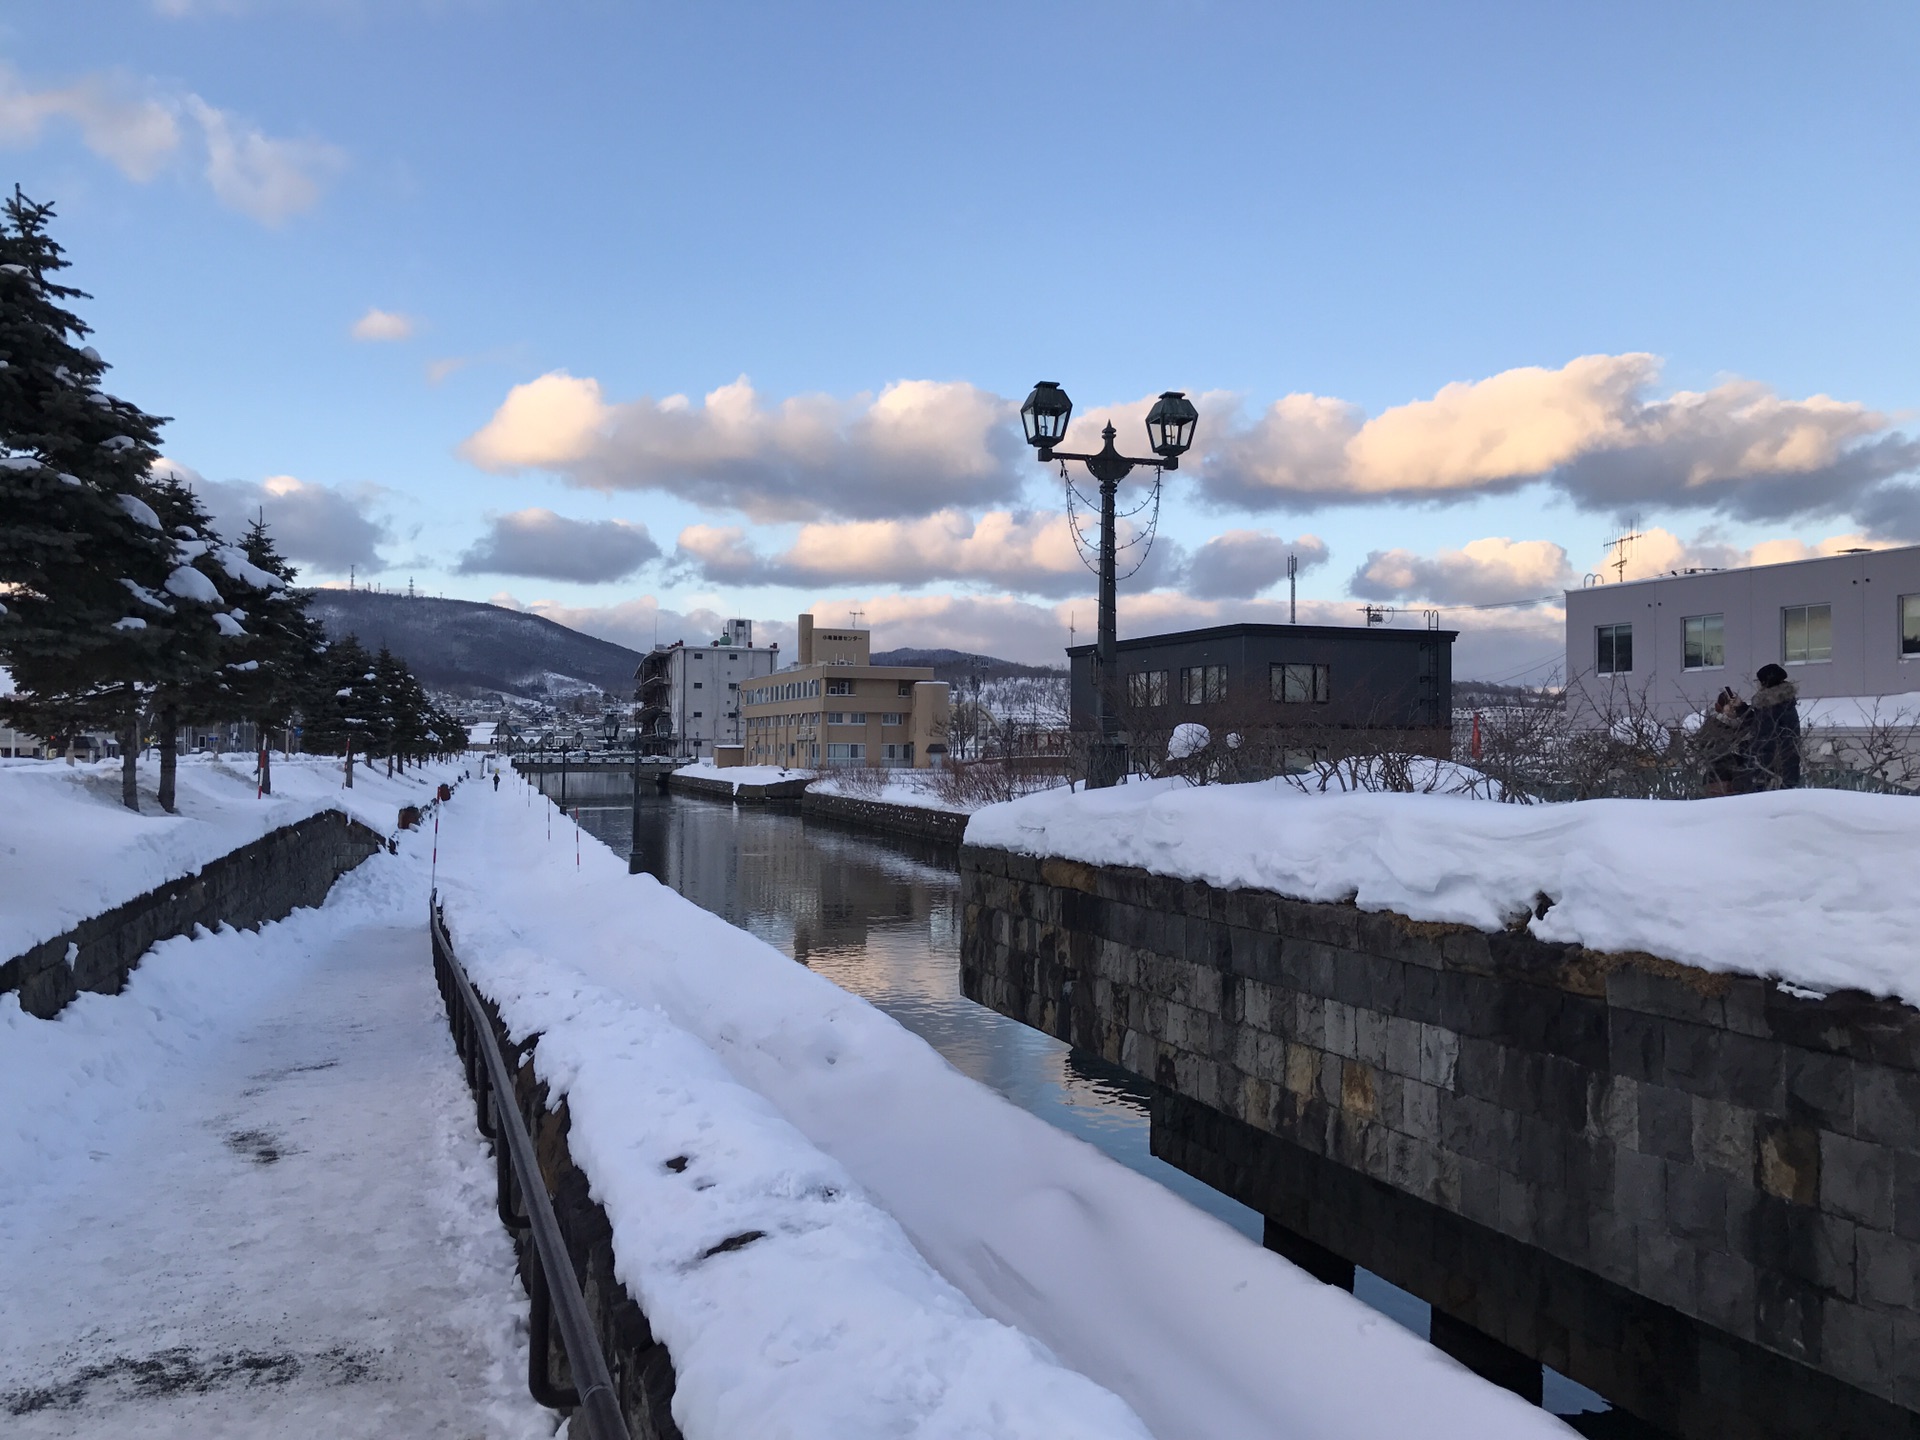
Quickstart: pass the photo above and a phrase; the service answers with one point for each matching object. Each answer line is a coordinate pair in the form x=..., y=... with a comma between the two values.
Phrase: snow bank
x=673, y=1034
x=738, y=775
x=904, y=787
x=1813, y=886
x=69, y=850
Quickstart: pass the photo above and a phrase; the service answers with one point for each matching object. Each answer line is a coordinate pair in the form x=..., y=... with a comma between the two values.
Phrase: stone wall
x=1697, y=1193
x=639, y=1364
x=920, y=821
x=266, y=880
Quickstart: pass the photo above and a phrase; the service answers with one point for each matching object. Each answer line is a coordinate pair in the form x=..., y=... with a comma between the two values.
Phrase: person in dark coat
x=1720, y=746
x=1773, y=731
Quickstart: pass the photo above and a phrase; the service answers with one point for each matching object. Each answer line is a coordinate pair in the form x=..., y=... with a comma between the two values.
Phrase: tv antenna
x=853, y=619
x=1293, y=594
x=1377, y=614
x=1623, y=547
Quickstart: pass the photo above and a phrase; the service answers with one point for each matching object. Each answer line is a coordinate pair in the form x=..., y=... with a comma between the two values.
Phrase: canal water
x=880, y=916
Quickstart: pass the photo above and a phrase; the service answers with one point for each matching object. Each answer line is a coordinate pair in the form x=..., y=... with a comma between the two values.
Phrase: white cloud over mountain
x=916, y=447
x=542, y=545
x=318, y=527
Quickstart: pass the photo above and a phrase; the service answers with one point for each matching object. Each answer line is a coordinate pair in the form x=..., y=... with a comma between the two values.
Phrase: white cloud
x=916, y=447
x=316, y=526
x=258, y=175
x=140, y=130
x=546, y=546
x=1588, y=428
x=1026, y=551
x=133, y=132
x=640, y=623
x=1655, y=551
x=1239, y=564
x=1481, y=572
x=378, y=325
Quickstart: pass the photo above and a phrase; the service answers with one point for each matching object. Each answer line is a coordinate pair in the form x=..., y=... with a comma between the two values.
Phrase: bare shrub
x=969, y=784
x=868, y=782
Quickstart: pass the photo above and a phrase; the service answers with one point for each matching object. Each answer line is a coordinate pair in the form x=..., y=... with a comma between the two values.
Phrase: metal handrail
x=552, y=1287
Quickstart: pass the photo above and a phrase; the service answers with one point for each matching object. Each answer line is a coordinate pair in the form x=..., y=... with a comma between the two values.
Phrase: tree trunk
x=389, y=767
x=266, y=766
x=130, y=756
x=169, y=755
x=349, y=762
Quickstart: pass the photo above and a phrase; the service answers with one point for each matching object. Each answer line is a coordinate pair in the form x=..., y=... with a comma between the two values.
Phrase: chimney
x=806, y=639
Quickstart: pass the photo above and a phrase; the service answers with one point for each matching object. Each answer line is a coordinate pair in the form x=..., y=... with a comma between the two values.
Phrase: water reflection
x=880, y=916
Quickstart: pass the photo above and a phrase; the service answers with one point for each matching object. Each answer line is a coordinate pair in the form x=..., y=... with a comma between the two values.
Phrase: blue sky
x=1525, y=271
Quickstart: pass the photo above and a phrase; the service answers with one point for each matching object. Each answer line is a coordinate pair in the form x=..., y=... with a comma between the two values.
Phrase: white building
x=1844, y=627
x=690, y=694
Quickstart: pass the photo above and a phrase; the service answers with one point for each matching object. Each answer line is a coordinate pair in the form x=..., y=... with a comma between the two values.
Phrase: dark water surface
x=880, y=916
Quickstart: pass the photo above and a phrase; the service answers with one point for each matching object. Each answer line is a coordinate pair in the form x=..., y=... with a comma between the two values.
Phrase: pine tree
x=83, y=560
x=285, y=644
x=343, y=702
x=204, y=634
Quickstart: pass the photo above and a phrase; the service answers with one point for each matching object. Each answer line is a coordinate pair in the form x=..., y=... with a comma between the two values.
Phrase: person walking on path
x=496, y=782
x=1773, y=731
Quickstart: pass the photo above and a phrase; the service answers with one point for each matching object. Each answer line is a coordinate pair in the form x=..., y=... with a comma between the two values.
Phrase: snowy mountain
x=462, y=644
x=957, y=666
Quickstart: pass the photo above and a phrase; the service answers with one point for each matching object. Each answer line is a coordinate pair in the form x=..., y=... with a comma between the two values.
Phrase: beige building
x=835, y=707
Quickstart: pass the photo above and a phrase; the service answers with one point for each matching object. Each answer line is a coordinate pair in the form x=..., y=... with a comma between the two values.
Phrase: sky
x=643, y=316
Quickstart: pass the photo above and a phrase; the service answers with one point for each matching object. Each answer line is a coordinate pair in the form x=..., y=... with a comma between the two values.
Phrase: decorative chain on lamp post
x=1170, y=426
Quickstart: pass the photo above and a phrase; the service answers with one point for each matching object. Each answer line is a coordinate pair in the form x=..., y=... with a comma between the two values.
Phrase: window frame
x=1319, y=682
x=1686, y=641
x=1147, y=689
x=1607, y=661
x=1806, y=613
x=1904, y=605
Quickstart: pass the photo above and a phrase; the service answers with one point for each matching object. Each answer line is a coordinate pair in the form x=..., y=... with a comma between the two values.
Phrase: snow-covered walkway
x=246, y=1196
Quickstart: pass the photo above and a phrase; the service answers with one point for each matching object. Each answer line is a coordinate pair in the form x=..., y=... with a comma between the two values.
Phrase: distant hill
x=954, y=666
x=462, y=644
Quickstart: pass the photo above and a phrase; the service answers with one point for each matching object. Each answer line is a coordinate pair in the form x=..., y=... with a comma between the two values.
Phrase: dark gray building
x=1320, y=680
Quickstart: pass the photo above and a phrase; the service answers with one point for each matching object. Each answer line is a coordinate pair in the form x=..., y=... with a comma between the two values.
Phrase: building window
x=1613, y=650
x=839, y=687
x=696, y=684
x=1147, y=688
x=857, y=717
x=906, y=689
x=1806, y=634
x=1203, y=684
x=1910, y=624
x=1703, y=642
x=846, y=752
x=1302, y=684
x=899, y=752
x=836, y=717
x=699, y=654
x=697, y=715
x=893, y=717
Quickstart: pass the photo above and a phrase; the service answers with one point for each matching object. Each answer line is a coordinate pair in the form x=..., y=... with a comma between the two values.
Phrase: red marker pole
x=434, y=872
x=576, y=837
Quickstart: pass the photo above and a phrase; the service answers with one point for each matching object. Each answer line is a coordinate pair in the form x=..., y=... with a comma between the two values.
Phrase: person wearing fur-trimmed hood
x=1773, y=730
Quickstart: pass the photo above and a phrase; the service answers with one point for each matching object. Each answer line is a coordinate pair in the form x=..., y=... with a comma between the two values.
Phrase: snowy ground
x=719, y=1090
x=246, y=1197
x=69, y=849
x=1815, y=887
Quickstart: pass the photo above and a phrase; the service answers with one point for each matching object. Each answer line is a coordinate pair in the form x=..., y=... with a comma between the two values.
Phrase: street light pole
x=1170, y=427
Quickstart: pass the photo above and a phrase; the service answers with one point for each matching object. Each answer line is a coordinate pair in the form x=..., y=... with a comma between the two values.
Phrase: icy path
x=246, y=1196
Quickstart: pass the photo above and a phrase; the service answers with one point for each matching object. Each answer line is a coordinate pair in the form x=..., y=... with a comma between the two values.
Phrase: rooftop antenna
x=853, y=619
x=350, y=570
x=1071, y=632
x=1293, y=594
x=1623, y=547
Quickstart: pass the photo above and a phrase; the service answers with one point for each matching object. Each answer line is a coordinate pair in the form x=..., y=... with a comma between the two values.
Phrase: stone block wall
x=920, y=822
x=1666, y=1183
x=638, y=1362
x=266, y=880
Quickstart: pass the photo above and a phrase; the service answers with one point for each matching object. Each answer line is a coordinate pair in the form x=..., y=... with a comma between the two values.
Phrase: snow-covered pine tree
x=342, y=703
x=82, y=558
x=208, y=589
x=284, y=645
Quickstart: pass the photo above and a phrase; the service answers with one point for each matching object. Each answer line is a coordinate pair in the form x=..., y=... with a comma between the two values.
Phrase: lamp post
x=1170, y=427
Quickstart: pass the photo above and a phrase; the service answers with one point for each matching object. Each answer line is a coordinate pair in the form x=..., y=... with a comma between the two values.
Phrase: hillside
x=462, y=644
x=957, y=666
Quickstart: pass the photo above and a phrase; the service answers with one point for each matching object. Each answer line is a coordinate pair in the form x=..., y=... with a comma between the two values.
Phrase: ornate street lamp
x=1170, y=428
